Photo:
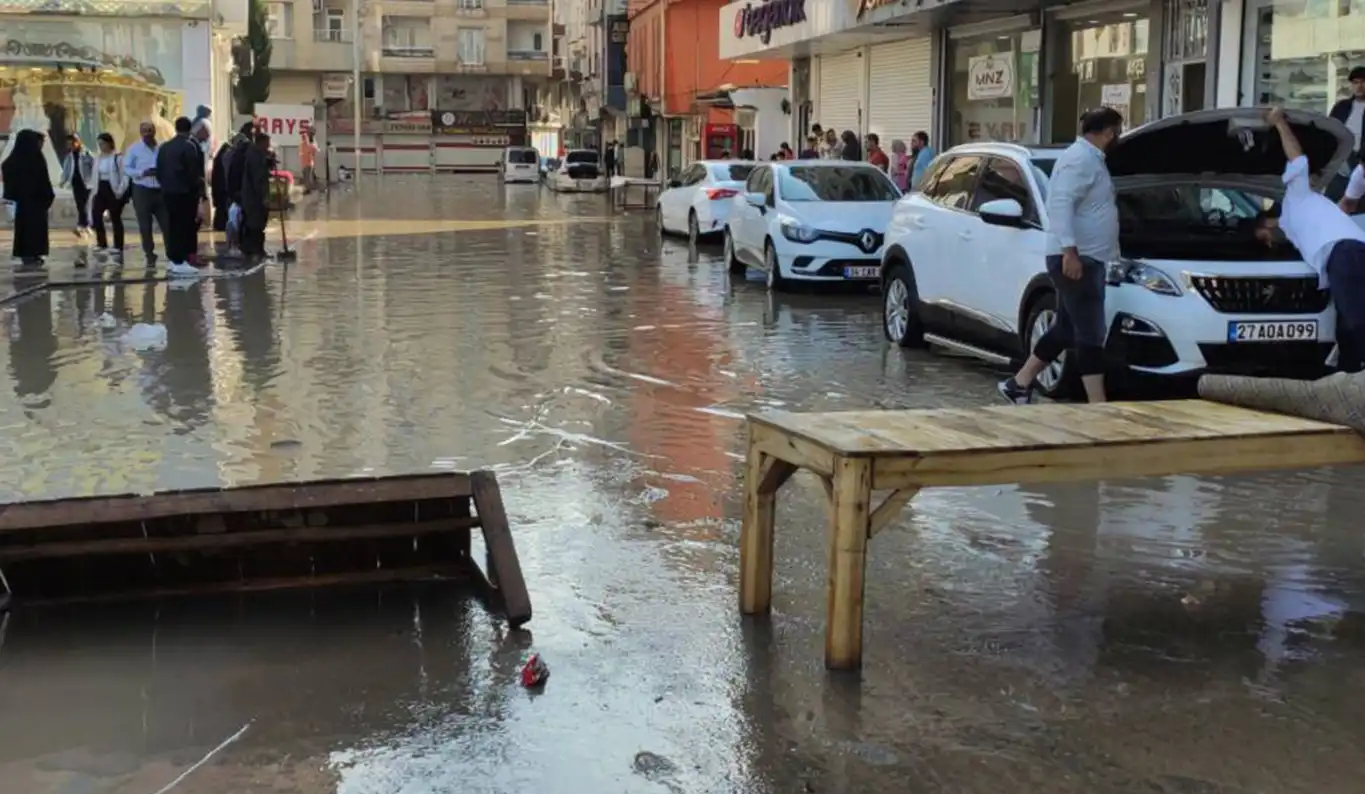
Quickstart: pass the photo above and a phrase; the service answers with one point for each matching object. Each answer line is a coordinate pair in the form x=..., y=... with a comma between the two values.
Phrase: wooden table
x=857, y=453
x=647, y=190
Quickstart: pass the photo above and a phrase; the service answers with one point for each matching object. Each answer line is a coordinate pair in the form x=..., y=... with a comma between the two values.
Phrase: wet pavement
x=1177, y=636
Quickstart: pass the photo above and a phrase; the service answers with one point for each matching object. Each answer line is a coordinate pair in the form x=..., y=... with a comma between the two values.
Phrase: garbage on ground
x=146, y=336
x=534, y=671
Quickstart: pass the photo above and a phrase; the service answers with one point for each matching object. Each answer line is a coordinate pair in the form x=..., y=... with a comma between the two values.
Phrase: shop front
x=1298, y=54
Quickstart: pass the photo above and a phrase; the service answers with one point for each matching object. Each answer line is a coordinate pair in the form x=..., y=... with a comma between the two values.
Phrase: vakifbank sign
x=759, y=20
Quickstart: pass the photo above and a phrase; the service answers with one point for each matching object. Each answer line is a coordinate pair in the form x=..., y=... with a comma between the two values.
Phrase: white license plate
x=1273, y=331
x=586, y=184
x=869, y=271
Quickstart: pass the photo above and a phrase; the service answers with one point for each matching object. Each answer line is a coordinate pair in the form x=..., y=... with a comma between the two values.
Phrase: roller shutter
x=839, y=96
x=901, y=89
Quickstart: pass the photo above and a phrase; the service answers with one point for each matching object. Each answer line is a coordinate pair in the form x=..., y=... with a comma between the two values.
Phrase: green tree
x=253, y=82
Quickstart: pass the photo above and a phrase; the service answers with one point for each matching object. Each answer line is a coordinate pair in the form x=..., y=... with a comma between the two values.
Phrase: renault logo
x=868, y=240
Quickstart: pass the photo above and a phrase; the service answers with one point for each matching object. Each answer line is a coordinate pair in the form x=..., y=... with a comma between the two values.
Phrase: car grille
x=1252, y=295
x=1287, y=359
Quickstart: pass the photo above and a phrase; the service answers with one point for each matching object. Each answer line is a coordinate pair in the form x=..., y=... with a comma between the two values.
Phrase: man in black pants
x=180, y=168
x=1083, y=240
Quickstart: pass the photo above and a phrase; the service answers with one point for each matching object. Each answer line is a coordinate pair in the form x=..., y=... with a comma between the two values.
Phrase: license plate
x=586, y=184
x=1273, y=331
x=868, y=271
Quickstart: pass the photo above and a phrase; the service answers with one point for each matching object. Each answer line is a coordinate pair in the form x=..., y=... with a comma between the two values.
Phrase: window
x=760, y=181
x=407, y=37
x=335, y=25
x=1104, y=62
x=1299, y=54
x=695, y=173
x=279, y=20
x=405, y=93
x=538, y=43
x=471, y=46
x=994, y=88
x=581, y=156
x=1003, y=179
x=955, y=183
x=931, y=174
x=523, y=156
x=1187, y=208
x=837, y=183
x=731, y=173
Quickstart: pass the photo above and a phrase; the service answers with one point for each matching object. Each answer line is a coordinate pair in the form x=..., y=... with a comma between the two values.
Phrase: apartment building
x=444, y=85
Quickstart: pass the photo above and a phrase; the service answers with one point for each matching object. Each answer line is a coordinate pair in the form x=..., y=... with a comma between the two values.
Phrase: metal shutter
x=839, y=97
x=901, y=90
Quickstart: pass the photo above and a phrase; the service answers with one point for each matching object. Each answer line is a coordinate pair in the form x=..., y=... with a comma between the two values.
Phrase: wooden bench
x=857, y=453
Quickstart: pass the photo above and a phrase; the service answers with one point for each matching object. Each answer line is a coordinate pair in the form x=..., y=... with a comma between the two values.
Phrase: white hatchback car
x=579, y=172
x=698, y=202
x=811, y=220
x=1194, y=292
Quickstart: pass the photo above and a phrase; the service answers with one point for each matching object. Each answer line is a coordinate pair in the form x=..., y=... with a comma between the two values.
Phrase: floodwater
x=1176, y=636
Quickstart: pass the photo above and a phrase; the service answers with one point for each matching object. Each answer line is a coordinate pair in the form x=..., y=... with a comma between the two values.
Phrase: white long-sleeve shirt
x=1080, y=204
x=139, y=158
x=1311, y=221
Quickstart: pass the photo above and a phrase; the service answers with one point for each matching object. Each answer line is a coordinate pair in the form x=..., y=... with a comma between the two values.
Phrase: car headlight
x=1128, y=271
x=797, y=232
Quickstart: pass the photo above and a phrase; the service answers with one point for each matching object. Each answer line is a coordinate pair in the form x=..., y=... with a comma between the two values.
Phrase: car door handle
x=965, y=235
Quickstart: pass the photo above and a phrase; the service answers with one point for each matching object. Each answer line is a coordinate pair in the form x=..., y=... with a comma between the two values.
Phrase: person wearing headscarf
x=218, y=184
x=236, y=162
x=900, y=165
x=201, y=128
x=28, y=186
x=851, y=149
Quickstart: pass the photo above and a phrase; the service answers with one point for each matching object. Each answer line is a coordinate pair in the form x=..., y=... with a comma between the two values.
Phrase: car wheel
x=900, y=307
x=776, y=282
x=736, y=267
x=693, y=232
x=1058, y=380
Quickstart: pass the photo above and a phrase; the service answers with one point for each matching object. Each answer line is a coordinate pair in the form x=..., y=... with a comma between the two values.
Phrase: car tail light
x=715, y=193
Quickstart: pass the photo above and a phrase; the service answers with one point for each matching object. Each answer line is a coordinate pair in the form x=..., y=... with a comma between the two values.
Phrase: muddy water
x=1181, y=636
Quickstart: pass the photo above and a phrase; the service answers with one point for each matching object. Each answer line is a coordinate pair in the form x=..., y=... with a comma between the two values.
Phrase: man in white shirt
x=139, y=163
x=1355, y=191
x=1329, y=240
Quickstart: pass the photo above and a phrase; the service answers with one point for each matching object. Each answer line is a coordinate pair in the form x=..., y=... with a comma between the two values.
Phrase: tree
x=253, y=81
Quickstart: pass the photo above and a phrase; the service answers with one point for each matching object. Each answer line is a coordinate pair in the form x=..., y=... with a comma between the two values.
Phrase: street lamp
x=357, y=90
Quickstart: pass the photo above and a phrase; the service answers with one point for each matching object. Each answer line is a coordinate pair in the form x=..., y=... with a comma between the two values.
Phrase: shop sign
x=760, y=20
x=408, y=126
x=866, y=6
x=990, y=77
x=482, y=122
x=336, y=86
x=283, y=123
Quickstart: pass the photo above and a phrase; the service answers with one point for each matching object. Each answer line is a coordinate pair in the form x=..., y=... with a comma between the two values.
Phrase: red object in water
x=534, y=671
x=715, y=193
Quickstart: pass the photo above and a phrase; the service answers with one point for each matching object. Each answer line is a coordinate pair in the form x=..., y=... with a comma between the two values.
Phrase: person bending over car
x=1083, y=239
x=1330, y=242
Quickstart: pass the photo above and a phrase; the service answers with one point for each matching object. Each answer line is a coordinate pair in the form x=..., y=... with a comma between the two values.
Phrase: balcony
x=530, y=10
x=528, y=67
x=527, y=55
x=405, y=51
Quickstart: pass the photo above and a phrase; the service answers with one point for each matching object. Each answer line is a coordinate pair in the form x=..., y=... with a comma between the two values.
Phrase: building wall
x=692, y=61
x=644, y=48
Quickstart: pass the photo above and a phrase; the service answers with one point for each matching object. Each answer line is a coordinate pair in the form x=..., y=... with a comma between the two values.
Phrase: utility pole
x=357, y=89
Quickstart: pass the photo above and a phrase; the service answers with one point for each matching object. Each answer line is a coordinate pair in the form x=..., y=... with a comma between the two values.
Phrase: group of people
x=168, y=183
x=904, y=164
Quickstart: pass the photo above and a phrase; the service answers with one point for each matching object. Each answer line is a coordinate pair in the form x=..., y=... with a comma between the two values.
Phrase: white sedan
x=579, y=172
x=698, y=201
x=811, y=220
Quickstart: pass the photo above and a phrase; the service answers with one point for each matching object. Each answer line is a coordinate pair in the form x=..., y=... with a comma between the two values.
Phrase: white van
x=520, y=164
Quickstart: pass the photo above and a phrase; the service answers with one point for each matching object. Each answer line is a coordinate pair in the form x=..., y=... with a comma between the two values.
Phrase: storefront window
x=1104, y=64
x=1302, y=52
x=993, y=94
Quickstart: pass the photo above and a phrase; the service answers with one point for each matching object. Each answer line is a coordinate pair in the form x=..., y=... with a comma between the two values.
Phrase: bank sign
x=759, y=20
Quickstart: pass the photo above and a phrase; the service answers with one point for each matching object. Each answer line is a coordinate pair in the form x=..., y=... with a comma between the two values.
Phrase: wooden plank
x=889, y=509
x=504, y=567
x=163, y=545
x=276, y=496
x=764, y=475
x=847, y=563
x=792, y=449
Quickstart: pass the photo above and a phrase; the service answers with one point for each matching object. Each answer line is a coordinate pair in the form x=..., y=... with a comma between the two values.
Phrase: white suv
x=1194, y=292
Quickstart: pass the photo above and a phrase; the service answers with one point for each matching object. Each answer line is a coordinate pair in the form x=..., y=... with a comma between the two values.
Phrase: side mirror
x=756, y=200
x=1002, y=212
x=675, y=183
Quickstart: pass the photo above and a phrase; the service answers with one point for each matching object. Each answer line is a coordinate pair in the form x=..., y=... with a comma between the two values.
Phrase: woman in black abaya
x=29, y=187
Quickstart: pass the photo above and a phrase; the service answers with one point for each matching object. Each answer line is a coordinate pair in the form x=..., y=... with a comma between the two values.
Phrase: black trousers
x=1080, y=316
x=81, y=194
x=252, y=238
x=182, y=238
x=106, y=201
x=1346, y=275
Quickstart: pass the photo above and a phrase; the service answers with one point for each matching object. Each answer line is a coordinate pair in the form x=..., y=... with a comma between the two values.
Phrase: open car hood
x=1231, y=144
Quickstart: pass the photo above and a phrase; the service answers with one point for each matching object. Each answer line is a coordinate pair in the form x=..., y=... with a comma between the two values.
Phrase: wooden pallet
x=263, y=537
x=857, y=453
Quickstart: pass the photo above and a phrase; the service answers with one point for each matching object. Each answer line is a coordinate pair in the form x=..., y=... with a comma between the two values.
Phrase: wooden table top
x=1008, y=428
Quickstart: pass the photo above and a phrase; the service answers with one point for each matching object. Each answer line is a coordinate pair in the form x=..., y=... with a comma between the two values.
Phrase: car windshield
x=730, y=173
x=581, y=157
x=1042, y=173
x=1190, y=208
x=835, y=183
x=523, y=156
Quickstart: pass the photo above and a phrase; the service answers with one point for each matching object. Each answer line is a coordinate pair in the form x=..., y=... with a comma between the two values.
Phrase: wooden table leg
x=763, y=475
x=850, y=515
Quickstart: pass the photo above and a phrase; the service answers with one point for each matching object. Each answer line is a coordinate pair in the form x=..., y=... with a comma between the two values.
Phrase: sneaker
x=1013, y=393
x=150, y=259
x=181, y=269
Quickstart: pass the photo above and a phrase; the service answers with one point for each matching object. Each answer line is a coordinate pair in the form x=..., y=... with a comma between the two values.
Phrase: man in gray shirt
x=1084, y=238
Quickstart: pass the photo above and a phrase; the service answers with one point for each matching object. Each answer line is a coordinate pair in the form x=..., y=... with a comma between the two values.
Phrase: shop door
x=900, y=97
x=838, y=101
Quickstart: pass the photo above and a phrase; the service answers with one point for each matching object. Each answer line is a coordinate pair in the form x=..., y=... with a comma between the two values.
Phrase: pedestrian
x=923, y=154
x=609, y=159
x=139, y=164
x=746, y=154
x=308, y=152
x=111, y=194
x=849, y=149
x=1355, y=191
x=1327, y=239
x=237, y=161
x=1351, y=112
x=725, y=154
x=78, y=171
x=180, y=169
x=901, y=163
x=28, y=189
x=620, y=158
x=1084, y=236
x=831, y=148
x=218, y=192
x=254, y=197
x=786, y=151
x=812, y=150
x=875, y=155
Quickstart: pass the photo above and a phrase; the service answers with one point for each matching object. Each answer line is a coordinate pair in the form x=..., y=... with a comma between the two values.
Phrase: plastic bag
x=234, y=220
x=11, y=210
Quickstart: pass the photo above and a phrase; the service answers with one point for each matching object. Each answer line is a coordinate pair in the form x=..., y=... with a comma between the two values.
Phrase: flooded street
x=1178, y=636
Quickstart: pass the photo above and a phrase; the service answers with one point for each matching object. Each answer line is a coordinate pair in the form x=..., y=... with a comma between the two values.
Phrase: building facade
x=108, y=65
x=445, y=85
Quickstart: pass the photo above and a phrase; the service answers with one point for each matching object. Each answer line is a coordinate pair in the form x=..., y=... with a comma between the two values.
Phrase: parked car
x=548, y=165
x=581, y=171
x=520, y=164
x=1194, y=291
x=811, y=220
x=698, y=201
